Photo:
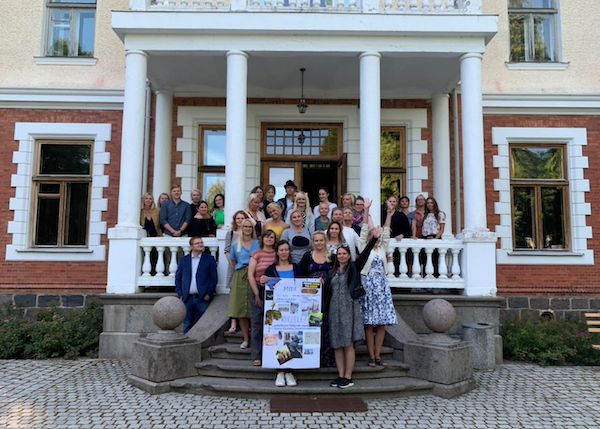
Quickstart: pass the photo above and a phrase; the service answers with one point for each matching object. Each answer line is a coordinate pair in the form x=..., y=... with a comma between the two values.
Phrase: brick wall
x=54, y=277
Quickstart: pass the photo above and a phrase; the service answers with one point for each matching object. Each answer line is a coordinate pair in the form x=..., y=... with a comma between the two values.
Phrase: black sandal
x=371, y=363
x=381, y=362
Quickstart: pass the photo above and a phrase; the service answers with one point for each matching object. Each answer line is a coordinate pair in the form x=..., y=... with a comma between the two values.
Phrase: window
x=533, y=30
x=539, y=188
x=62, y=194
x=71, y=28
x=211, y=170
x=393, y=167
x=305, y=140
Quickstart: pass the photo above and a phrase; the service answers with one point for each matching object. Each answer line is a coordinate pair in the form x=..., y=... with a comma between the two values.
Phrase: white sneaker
x=290, y=380
x=244, y=345
x=280, y=380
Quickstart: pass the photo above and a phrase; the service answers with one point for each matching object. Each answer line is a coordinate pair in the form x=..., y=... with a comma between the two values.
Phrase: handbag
x=358, y=291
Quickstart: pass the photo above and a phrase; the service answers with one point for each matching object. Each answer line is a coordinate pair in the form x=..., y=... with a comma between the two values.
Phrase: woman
x=344, y=314
x=434, y=224
x=359, y=211
x=163, y=198
x=348, y=201
x=298, y=237
x=150, y=216
x=239, y=298
x=259, y=192
x=275, y=223
x=283, y=268
x=348, y=217
x=377, y=305
x=335, y=238
x=256, y=216
x=219, y=210
x=196, y=198
x=269, y=198
x=400, y=225
x=324, y=198
x=261, y=259
x=317, y=264
x=302, y=204
x=232, y=237
x=202, y=223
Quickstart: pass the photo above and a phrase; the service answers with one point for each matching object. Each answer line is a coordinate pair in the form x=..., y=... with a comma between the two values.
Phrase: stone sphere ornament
x=168, y=313
x=439, y=315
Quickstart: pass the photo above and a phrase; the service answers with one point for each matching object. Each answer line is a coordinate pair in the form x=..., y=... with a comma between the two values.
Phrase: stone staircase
x=228, y=371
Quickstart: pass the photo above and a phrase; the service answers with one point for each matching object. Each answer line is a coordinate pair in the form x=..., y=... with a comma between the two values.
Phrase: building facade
x=490, y=107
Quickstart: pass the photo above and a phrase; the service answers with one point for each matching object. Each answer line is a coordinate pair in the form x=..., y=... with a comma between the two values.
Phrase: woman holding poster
x=283, y=268
x=261, y=259
x=344, y=315
x=239, y=298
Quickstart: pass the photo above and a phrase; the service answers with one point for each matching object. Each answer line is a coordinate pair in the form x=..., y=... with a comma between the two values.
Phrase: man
x=175, y=214
x=416, y=217
x=195, y=282
x=404, y=204
x=287, y=202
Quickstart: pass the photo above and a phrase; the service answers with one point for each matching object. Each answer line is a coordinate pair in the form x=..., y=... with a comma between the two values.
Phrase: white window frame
x=558, y=63
x=27, y=133
x=574, y=139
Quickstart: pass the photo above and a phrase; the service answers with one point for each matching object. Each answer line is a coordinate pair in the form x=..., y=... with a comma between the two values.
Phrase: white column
x=124, y=258
x=162, y=142
x=235, y=151
x=479, y=253
x=472, y=142
x=441, y=157
x=370, y=131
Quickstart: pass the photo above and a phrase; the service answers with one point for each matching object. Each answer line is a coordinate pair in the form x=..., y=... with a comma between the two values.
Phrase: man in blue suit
x=195, y=282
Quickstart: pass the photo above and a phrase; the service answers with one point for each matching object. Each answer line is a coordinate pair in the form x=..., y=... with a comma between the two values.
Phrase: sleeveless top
x=278, y=230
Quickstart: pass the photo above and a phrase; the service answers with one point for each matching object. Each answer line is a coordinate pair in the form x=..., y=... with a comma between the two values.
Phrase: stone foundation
x=32, y=303
x=539, y=307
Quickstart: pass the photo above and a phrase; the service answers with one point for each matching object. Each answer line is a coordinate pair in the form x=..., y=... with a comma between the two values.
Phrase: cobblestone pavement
x=95, y=394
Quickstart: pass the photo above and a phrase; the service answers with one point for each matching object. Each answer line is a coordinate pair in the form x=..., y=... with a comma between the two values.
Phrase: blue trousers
x=195, y=308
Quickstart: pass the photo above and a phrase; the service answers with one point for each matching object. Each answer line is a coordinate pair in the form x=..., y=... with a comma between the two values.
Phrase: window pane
x=536, y=163
x=212, y=184
x=47, y=222
x=277, y=177
x=544, y=37
x=308, y=141
x=527, y=4
x=214, y=147
x=49, y=188
x=77, y=213
x=391, y=149
x=86, y=22
x=60, y=33
x=524, y=217
x=519, y=38
x=553, y=221
x=391, y=184
x=65, y=159
x=75, y=1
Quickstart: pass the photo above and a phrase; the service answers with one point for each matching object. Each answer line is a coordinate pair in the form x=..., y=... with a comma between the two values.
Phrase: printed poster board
x=292, y=323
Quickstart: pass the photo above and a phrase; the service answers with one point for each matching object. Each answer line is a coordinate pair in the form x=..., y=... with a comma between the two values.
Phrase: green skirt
x=239, y=295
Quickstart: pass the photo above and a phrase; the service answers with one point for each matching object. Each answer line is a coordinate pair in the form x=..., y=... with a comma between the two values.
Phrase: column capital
x=241, y=53
x=471, y=55
x=369, y=54
x=167, y=90
x=136, y=51
x=440, y=96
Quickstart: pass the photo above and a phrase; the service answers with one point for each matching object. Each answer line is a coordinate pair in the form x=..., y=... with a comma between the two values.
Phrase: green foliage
x=217, y=188
x=51, y=334
x=550, y=343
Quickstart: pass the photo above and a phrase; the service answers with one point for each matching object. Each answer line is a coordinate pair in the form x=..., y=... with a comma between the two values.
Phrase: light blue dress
x=377, y=305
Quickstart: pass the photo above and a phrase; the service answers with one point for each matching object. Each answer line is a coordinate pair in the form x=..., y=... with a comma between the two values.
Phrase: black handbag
x=358, y=291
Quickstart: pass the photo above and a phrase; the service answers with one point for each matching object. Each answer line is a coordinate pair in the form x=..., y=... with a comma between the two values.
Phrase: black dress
x=202, y=227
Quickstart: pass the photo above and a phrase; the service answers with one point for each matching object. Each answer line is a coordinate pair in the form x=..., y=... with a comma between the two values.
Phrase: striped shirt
x=264, y=259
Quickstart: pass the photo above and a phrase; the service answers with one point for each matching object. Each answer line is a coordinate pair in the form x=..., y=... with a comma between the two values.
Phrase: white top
x=381, y=251
x=316, y=210
x=309, y=223
x=352, y=239
x=195, y=263
x=431, y=225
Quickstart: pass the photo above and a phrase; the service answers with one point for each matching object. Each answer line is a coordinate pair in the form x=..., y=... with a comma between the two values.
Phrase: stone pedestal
x=481, y=337
x=161, y=358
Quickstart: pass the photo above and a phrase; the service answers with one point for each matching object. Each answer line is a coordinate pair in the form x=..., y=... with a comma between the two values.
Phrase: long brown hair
x=436, y=210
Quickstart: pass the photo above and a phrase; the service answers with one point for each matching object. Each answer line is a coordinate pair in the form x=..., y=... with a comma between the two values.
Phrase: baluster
x=455, y=266
x=208, y=3
x=429, y=263
x=160, y=264
x=159, y=2
x=387, y=4
x=213, y=251
x=256, y=3
x=416, y=268
x=425, y=5
x=413, y=5
x=390, y=265
x=437, y=4
x=303, y=3
x=220, y=3
x=401, y=4
x=195, y=2
x=443, y=268
x=403, y=264
x=146, y=266
x=173, y=264
x=351, y=4
x=449, y=5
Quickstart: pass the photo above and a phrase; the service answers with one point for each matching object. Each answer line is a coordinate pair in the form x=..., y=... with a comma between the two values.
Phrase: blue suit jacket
x=206, y=276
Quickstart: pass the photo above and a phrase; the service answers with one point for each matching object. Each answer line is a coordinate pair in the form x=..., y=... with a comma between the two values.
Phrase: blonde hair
x=240, y=239
x=148, y=194
x=307, y=209
x=249, y=200
x=326, y=249
x=273, y=206
x=352, y=198
x=160, y=196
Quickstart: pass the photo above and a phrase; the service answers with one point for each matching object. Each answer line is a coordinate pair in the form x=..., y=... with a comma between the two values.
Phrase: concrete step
x=253, y=388
x=236, y=368
x=233, y=351
x=235, y=338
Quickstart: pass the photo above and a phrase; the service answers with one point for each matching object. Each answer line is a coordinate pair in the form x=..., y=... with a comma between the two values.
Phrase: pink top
x=264, y=259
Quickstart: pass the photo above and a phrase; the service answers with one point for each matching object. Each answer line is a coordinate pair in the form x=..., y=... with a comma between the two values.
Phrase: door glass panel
x=278, y=176
x=308, y=141
x=553, y=218
x=214, y=147
x=537, y=163
x=524, y=217
x=65, y=159
x=47, y=222
x=77, y=215
x=391, y=149
x=391, y=184
x=213, y=184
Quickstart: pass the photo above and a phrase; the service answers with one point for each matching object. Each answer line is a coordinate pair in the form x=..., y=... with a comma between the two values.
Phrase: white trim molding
x=65, y=61
x=27, y=133
x=42, y=98
x=575, y=139
x=537, y=66
x=541, y=104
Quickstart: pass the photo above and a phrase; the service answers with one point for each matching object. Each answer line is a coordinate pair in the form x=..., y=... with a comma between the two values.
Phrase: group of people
x=288, y=239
